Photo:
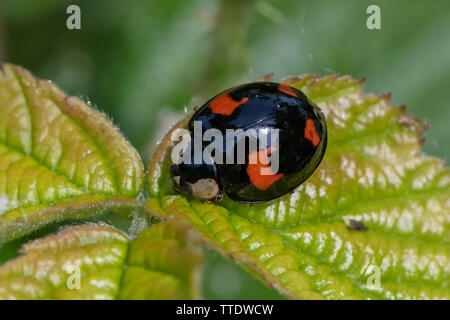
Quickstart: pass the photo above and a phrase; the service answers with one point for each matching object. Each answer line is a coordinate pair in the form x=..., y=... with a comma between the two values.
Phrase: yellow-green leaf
x=96, y=261
x=59, y=158
x=305, y=243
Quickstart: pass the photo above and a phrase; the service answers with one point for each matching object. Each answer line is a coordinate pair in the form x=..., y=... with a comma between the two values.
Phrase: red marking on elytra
x=225, y=105
x=288, y=90
x=259, y=160
x=311, y=133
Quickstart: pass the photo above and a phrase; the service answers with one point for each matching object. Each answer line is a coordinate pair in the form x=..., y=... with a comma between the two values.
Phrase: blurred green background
x=144, y=62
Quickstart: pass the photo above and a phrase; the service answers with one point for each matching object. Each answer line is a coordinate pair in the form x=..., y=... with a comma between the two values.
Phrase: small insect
x=355, y=225
x=294, y=132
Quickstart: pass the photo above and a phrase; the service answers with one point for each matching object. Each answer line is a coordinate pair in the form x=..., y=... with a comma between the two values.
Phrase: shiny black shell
x=264, y=105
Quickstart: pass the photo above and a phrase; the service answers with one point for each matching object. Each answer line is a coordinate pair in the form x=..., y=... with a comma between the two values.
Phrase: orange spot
x=225, y=105
x=259, y=160
x=311, y=133
x=288, y=90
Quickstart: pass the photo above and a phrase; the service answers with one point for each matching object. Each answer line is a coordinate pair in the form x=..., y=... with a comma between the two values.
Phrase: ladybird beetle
x=295, y=135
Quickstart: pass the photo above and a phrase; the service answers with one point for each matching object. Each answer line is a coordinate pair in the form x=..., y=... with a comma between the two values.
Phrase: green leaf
x=303, y=243
x=59, y=158
x=96, y=261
